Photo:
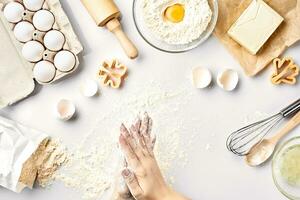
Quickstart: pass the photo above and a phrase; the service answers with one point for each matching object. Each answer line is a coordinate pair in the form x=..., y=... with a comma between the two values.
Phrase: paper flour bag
x=17, y=144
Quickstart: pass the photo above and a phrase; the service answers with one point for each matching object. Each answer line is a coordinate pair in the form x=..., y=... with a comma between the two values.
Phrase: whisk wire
x=239, y=140
x=240, y=150
x=232, y=137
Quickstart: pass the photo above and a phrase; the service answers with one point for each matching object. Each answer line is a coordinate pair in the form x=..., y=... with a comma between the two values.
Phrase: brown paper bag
x=286, y=35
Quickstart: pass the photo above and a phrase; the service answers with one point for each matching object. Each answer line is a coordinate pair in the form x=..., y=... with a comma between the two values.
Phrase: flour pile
x=44, y=163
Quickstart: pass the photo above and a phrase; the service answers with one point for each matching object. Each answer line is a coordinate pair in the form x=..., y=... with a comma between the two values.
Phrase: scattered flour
x=256, y=116
x=94, y=163
x=197, y=17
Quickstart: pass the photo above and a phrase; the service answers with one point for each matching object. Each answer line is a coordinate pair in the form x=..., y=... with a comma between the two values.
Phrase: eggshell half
x=33, y=51
x=54, y=40
x=43, y=20
x=228, y=79
x=201, y=77
x=65, y=109
x=64, y=61
x=13, y=12
x=23, y=31
x=44, y=71
x=89, y=88
x=33, y=5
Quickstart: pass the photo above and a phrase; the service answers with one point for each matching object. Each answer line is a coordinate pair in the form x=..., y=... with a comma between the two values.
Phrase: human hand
x=122, y=191
x=143, y=175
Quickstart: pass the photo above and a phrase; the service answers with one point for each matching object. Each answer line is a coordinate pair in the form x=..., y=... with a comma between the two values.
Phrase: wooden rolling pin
x=106, y=13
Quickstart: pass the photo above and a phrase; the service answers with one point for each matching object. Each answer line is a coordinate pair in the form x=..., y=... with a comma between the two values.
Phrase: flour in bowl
x=176, y=22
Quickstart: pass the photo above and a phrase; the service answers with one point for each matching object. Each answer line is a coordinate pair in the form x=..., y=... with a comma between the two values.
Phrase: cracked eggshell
x=64, y=61
x=43, y=20
x=23, y=31
x=89, y=88
x=201, y=77
x=228, y=79
x=13, y=12
x=44, y=71
x=65, y=109
x=33, y=5
x=33, y=51
x=54, y=40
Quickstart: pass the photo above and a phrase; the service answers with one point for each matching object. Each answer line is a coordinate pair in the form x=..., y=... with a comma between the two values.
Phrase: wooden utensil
x=263, y=150
x=106, y=13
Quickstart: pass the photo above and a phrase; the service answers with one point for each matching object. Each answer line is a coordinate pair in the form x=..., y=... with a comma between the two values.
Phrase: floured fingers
x=127, y=149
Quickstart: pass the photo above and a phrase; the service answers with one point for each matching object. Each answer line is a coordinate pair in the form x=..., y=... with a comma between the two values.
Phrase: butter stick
x=255, y=26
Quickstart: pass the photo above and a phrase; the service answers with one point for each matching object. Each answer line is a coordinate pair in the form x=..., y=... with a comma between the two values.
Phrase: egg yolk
x=175, y=13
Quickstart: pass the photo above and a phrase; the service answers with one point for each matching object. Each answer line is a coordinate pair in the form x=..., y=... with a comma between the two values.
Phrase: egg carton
x=60, y=27
x=16, y=73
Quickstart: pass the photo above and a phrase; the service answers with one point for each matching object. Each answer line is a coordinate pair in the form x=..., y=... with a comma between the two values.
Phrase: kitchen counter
x=206, y=116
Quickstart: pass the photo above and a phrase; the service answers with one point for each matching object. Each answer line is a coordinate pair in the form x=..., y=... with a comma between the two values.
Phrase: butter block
x=255, y=26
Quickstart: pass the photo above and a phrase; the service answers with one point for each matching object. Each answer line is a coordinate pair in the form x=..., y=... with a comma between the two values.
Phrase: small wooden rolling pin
x=106, y=13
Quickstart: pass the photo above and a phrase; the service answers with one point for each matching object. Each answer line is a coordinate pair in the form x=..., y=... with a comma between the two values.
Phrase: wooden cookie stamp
x=112, y=73
x=286, y=71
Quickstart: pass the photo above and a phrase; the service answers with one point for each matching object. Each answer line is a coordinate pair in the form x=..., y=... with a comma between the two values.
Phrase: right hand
x=143, y=176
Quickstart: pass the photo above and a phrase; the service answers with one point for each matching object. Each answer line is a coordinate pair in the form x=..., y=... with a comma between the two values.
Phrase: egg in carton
x=39, y=43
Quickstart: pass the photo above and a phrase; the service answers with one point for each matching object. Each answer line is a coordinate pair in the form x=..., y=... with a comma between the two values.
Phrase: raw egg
x=43, y=20
x=44, y=71
x=13, y=12
x=64, y=61
x=33, y=51
x=33, y=5
x=54, y=40
x=23, y=31
x=175, y=13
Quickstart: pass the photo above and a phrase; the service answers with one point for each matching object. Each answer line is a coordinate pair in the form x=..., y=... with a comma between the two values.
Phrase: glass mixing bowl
x=170, y=48
x=291, y=191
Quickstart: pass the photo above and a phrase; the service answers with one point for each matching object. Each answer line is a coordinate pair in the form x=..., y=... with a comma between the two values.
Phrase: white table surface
x=210, y=174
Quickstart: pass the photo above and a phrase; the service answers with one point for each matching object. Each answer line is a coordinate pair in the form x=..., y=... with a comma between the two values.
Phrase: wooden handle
x=115, y=27
x=292, y=123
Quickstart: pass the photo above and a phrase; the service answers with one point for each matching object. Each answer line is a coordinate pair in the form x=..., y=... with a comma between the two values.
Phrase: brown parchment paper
x=286, y=35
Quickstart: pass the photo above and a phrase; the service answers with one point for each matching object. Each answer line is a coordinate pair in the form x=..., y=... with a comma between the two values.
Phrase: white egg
x=43, y=20
x=65, y=109
x=13, y=12
x=23, y=31
x=33, y=51
x=64, y=61
x=44, y=71
x=201, y=77
x=33, y=5
x=54, y=40
x=228, y=79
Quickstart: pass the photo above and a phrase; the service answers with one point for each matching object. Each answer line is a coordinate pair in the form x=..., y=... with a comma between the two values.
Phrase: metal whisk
x=241, y=141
